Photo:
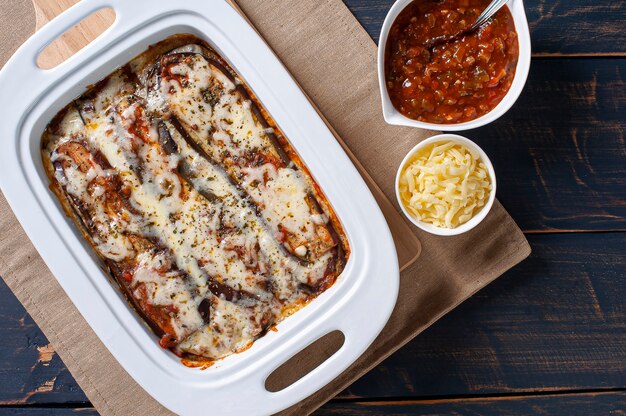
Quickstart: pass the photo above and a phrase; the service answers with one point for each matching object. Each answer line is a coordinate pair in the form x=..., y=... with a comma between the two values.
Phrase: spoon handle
x=489, y=11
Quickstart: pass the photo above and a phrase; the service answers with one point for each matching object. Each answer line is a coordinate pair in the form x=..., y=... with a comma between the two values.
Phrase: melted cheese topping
x=444, y=184
x=164, y=289
x=179, y=226
x=224, y=126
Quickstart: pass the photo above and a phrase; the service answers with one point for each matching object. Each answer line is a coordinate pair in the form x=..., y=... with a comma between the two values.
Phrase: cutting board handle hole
x=305, y=361
x=75, y=38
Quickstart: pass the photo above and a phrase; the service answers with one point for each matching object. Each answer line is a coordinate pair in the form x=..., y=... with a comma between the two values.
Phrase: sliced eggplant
x=210, y=96
x=75, y=155
x=158, y=221
x=239, y=154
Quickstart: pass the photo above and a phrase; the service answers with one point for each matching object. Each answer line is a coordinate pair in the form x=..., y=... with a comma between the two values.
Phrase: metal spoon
x=489, y=11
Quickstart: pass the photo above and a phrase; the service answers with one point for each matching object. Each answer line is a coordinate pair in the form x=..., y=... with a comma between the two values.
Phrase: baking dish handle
x=26, y=56
x=325, y=372
x=355, y=343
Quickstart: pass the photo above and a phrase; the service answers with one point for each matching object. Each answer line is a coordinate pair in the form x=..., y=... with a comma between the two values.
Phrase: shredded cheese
x=444, y=184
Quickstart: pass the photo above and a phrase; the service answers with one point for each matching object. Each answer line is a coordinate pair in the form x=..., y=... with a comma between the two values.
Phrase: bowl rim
x=476, y=219
x=392, y=116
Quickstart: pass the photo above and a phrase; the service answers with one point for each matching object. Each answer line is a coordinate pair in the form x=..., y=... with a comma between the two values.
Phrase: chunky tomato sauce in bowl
x=461, y=84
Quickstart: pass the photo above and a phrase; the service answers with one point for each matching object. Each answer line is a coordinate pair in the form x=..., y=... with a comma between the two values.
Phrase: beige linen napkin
x=334, y=60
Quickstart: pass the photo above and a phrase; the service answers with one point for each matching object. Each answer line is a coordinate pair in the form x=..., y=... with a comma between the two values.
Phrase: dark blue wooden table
x=549, y=337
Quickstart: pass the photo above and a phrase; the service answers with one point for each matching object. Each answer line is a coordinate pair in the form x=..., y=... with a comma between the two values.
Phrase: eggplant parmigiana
x=193, y=199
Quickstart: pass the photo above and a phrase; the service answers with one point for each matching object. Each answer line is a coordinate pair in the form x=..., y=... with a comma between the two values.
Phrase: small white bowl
x=476, y=219
x=393, y=116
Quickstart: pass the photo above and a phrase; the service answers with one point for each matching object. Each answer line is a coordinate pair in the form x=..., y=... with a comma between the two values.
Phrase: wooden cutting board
x=407, y=244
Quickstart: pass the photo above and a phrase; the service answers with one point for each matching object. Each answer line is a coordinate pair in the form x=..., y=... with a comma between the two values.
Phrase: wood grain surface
x=547, y=338
x=516, y=335
x=557, y=27
x=559, y=153
x=73, y=40
x=586, y=404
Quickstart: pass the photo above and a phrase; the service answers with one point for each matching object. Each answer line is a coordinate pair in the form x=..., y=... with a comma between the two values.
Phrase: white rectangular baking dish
x=360, y=302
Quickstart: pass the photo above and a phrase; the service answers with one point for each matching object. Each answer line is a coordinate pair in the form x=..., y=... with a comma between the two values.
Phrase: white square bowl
x=393, y=116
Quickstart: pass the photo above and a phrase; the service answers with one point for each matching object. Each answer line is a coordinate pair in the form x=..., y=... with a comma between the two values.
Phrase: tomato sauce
x=451, y=82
